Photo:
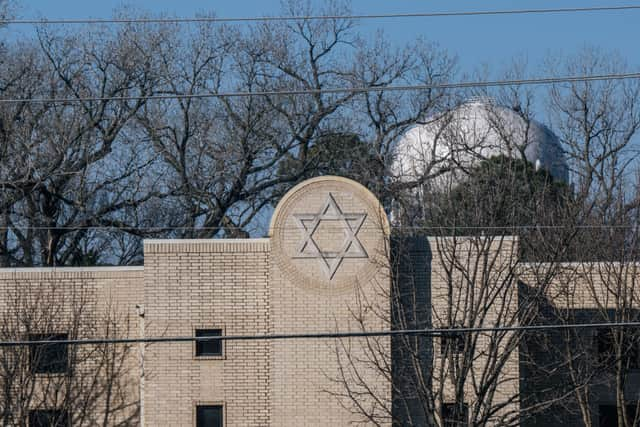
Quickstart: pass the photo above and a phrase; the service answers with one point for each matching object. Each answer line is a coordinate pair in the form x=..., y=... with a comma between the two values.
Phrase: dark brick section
x=411, y=308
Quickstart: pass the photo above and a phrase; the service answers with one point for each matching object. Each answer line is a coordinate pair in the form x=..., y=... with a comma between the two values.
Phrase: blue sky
x=493, y=41
x=477, y=41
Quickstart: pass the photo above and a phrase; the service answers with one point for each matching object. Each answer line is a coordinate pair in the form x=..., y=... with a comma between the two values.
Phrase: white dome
x=475, y=131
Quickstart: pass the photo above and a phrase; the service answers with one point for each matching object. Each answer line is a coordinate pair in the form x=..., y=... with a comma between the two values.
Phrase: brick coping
x=207, y=245
x=71, y=272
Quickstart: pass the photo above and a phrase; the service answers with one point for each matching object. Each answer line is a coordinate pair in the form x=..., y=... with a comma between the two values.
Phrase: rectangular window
x=451, y=342
x=455, y=415
x=48, y=418
x=49, y=358
x=209, y=348
x=606, y=352
x=209, y=416
x=627, y=345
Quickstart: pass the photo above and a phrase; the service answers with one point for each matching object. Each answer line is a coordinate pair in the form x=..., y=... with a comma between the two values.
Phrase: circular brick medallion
x=329, y=233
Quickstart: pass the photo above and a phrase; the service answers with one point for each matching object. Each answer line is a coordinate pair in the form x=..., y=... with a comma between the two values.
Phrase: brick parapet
x=190, y=284
x=56, y=274
x=207, y=246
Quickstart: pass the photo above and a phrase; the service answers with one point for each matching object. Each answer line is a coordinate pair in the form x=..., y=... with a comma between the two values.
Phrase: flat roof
x=71, y=269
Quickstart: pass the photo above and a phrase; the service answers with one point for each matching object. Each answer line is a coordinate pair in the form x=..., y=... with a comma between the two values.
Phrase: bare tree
x=83, y=385
x=68, y=166
x=203, y=165
x=599, y=124
x=470, y=273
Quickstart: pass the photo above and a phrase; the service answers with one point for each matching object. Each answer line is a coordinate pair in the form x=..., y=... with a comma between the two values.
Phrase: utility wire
x=395, y=227
x=363, y=89
x=320, y=17
x=325, y=335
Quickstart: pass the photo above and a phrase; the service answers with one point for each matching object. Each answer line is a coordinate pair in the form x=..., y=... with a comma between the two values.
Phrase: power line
x=325, y=335
x=363, y=89
x=215, y=20
x=395, y=227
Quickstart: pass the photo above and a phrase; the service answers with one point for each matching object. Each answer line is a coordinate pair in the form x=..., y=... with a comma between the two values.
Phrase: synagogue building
x=329, y=264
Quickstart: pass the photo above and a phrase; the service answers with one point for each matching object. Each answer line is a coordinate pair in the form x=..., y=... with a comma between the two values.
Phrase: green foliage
x=341, y=154
x=506, y=196
x=503, y=192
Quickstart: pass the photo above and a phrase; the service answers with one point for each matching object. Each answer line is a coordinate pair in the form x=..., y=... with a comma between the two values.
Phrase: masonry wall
x=555, y=361
x=412, y=356
x=319, y=382
x=306, y=378
x=474, y=285
x=84, y=303
x=207, y=284
x=235, y=285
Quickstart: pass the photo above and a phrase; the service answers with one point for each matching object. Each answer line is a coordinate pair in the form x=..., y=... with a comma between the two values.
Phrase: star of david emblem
x=351, y=246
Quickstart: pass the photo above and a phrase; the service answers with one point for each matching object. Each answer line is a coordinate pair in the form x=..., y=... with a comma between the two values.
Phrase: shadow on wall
x=411, y=309
x=564, y=370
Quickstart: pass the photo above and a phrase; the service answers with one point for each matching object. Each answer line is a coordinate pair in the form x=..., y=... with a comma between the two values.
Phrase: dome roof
x=476, y=130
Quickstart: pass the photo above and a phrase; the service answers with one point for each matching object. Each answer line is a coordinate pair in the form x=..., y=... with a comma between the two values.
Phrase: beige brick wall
x=304, y=298
x=238, y=286
x=596, y=292
x=97, y=302
x=207, y=284
x=473, y=284
x=594, y=285
x=233, y=285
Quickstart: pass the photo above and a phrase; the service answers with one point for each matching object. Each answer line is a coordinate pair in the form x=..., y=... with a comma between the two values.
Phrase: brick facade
x=207, y=284
x=323, y=268
x=243, y=287
x=83, y=303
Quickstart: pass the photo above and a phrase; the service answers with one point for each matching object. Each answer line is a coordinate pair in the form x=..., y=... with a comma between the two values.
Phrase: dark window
x=609, y=415
x=452, y=342
x=48, y=418
x=606, y=352
x=209, y=416
x=455, y=414
x=48, y=358
x=209, y=348
x=625, y=341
